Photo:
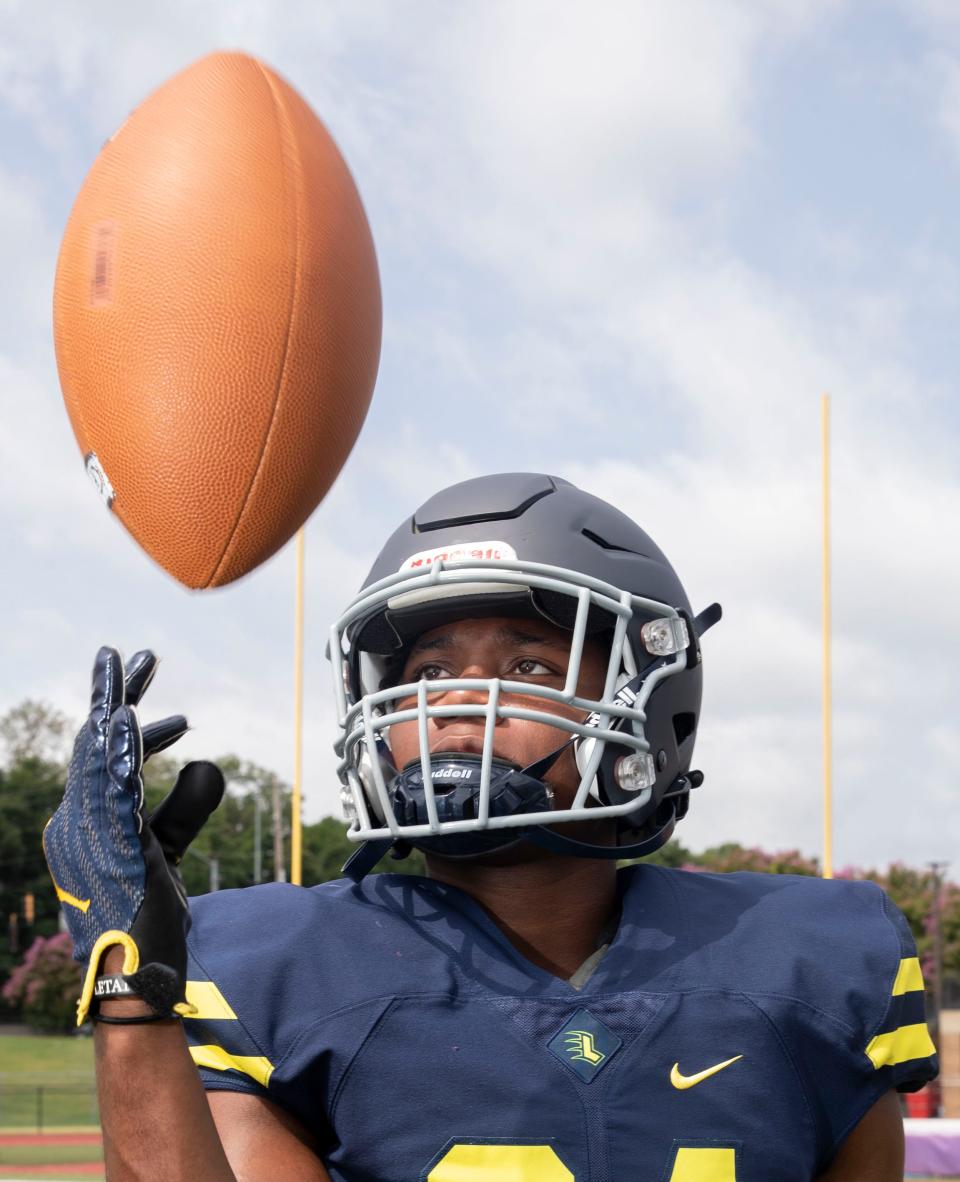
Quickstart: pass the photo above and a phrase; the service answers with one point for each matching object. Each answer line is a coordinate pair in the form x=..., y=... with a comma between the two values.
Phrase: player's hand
x=114, y=869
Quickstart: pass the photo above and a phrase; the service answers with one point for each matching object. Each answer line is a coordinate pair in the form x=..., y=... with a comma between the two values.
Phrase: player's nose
x=479, y=696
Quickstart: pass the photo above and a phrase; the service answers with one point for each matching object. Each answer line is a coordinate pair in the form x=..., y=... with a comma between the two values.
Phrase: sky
x=630, y=244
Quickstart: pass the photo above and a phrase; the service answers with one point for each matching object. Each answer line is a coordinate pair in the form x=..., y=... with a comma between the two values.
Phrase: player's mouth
x=462, y=744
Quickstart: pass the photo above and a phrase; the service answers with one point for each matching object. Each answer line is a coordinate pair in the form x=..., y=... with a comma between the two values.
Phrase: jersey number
x=538, y=1163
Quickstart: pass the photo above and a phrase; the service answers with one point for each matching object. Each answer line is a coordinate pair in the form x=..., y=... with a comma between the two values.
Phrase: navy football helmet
x=520, y=544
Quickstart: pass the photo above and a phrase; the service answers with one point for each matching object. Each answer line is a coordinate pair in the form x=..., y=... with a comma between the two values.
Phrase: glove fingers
x=125, y=751
x=157, y=736
x=178, y=818
x=140, y=670
x=107, y=692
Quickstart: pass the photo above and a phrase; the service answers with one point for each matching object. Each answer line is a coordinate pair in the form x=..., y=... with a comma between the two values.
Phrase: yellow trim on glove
x=72, y=900
x=62, y=895
x=131, y=962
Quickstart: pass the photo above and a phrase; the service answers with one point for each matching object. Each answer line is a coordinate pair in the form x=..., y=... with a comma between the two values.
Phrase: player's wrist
x=117, y=1014
x=114, y=995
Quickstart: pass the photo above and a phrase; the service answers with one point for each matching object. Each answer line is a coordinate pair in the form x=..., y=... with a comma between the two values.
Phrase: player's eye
x=528, y=667
x=430, y=673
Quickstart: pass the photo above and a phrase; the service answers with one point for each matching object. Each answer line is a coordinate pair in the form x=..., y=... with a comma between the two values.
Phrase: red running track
x=93, y=1168
x=50, y=1139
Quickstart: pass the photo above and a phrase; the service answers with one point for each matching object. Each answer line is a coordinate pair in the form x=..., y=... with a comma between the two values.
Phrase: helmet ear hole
x=684, y=726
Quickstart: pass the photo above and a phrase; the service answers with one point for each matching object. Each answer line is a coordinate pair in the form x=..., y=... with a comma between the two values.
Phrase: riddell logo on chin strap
x=492, y=551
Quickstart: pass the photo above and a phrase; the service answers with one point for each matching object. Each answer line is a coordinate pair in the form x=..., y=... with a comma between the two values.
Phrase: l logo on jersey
x=584, y=1045
x=580, y=1045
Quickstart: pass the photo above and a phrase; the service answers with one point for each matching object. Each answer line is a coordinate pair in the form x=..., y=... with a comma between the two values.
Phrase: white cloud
x=550, y=189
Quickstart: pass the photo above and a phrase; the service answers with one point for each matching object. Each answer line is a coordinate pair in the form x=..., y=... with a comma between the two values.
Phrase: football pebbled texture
x=217, y=318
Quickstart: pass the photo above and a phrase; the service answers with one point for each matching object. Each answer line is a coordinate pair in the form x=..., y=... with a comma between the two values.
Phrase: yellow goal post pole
x=296, y=803
x=826, y=624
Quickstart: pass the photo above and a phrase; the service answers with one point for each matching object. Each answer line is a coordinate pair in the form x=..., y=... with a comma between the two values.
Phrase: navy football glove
x=114, y=870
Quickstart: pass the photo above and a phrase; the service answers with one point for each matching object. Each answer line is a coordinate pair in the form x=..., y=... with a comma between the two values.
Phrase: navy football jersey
x=737, y=1028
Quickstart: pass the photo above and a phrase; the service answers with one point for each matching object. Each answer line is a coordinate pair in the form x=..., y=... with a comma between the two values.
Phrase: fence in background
x=43, y=1102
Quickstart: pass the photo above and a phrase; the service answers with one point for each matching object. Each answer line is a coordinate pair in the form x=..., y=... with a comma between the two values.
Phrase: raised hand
x=115, y=870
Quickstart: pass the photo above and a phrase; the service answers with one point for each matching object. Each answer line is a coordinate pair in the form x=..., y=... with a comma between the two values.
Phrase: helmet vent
x=488, y=498
x=604, y=544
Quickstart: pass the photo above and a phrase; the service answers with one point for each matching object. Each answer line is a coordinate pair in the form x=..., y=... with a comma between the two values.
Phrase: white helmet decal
x=465, y=552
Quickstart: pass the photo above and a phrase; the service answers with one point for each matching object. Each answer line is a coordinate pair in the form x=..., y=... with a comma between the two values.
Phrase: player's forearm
x=154, y=1111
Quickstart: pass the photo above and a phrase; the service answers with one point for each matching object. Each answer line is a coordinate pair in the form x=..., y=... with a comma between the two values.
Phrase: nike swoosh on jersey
x=689, y=1081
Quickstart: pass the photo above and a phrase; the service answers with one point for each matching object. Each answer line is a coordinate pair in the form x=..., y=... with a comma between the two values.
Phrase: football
x=217, y=318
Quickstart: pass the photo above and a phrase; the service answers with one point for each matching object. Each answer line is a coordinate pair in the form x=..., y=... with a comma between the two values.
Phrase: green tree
x=36, y=730
x=913, y=892
x=731, y=856
x=326, y=848
x=674, y=854
x=30, y=790
x=228, y=837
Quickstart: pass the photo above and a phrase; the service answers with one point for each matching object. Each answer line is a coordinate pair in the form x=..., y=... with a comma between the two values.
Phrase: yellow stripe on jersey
x=901, y=1045
x=704, y=1165
x=208, y=1000
x=256, y=1066
x=499, y=1163
x=909, y=977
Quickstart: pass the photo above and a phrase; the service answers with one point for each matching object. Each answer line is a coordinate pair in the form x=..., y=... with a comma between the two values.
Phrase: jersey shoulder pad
x=833, y=965
x=287, y=981
x=264, y=963
x=837, y=948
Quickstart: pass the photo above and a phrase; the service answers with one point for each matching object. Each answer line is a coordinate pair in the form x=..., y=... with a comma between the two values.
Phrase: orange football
x=217, y=318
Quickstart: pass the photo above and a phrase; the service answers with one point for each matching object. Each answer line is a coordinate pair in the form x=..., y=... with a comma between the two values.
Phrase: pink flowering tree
x=45, y=986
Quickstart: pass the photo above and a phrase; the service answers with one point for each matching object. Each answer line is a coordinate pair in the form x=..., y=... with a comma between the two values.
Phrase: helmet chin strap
x=365, y=858
x=511, y=785
x=559, y=843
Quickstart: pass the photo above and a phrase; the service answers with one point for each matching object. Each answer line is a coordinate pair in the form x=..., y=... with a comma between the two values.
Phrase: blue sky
x=626, y=243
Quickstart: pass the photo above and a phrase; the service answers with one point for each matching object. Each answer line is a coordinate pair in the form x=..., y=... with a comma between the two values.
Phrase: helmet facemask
x=474, y=804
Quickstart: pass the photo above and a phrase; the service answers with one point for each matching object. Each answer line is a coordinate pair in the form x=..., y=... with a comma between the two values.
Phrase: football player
x=518, y=685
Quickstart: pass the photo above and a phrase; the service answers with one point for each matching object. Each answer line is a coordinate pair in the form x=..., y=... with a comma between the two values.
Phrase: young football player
x=518, y=685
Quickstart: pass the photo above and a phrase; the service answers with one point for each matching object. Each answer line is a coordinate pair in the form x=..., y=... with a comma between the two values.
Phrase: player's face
x=532, y=651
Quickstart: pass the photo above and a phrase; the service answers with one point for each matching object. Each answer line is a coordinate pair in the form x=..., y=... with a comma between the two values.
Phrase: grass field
x=30, y=1155
x=46, y=1081
x=66, y=1157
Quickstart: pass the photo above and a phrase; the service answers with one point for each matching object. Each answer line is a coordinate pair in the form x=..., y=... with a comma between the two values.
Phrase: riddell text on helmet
x=469, y=552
